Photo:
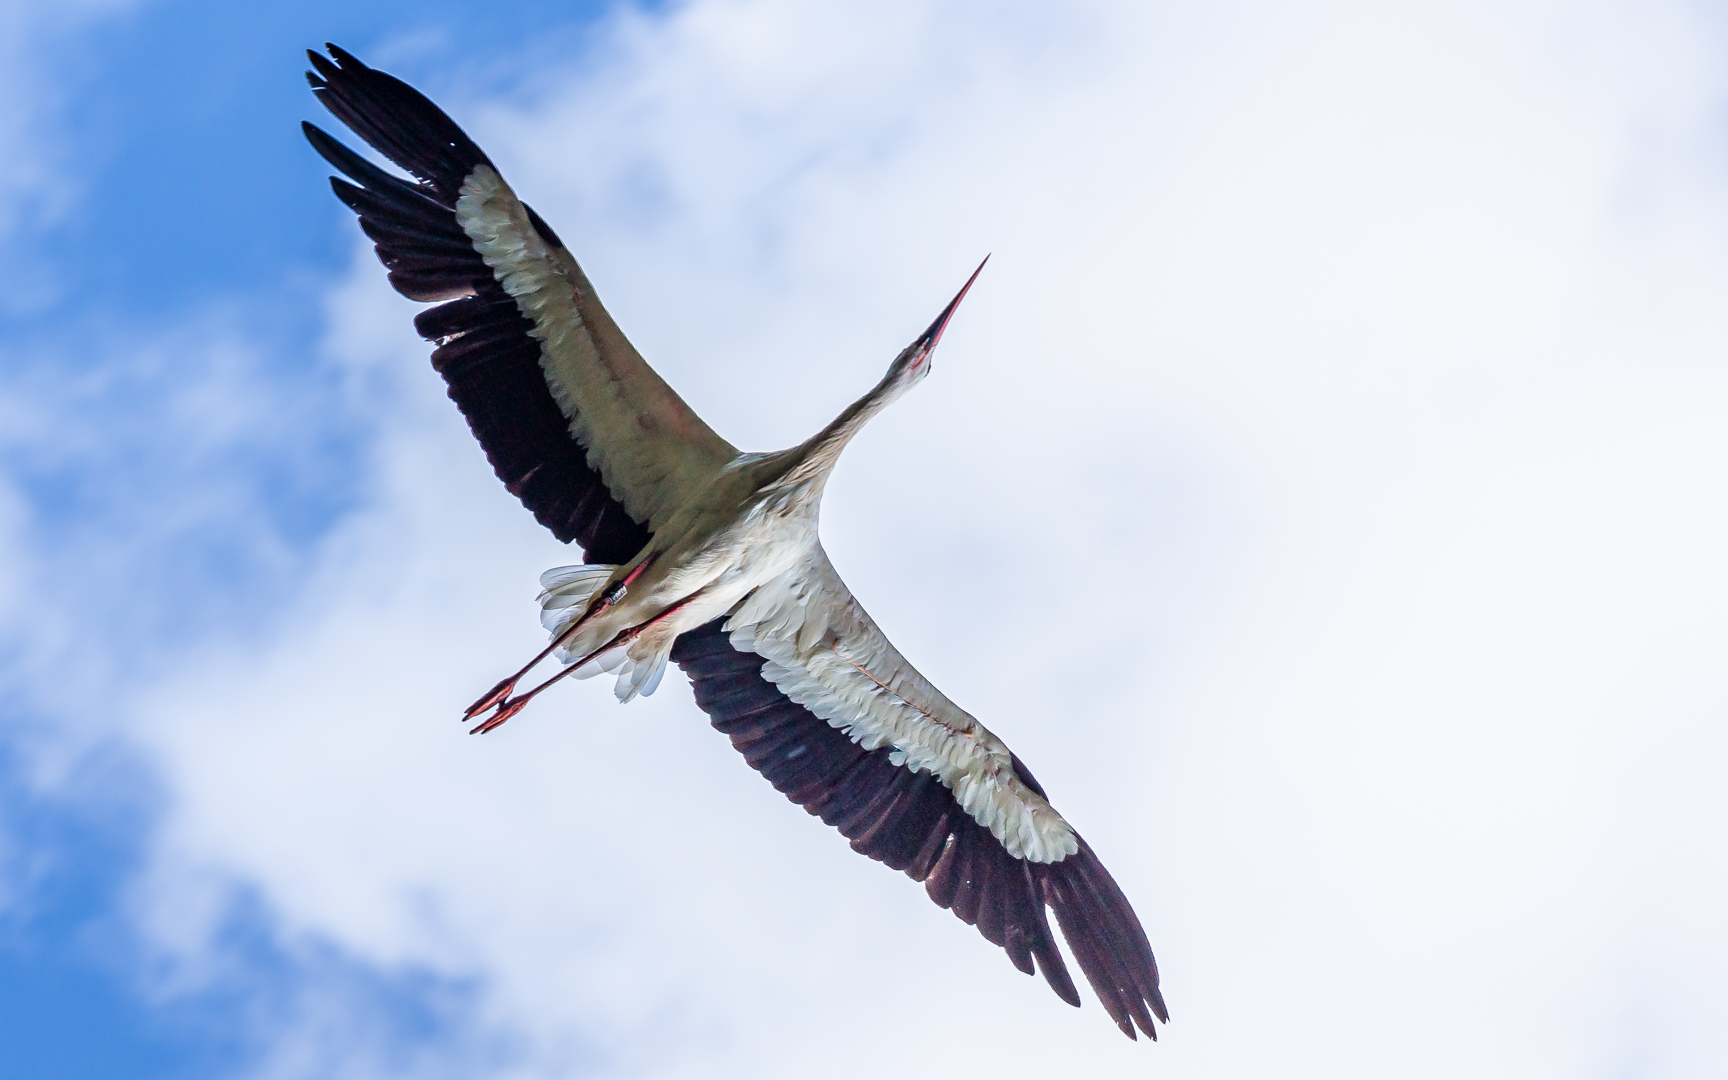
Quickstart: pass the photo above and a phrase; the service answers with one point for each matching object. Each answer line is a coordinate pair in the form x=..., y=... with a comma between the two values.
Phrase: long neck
x=816, y=457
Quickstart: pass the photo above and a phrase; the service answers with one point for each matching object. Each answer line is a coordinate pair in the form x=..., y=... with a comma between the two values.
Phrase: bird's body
x=742, y=534
x=711, y=558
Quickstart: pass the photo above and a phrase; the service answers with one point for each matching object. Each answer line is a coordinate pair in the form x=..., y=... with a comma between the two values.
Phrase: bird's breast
x=721, y=566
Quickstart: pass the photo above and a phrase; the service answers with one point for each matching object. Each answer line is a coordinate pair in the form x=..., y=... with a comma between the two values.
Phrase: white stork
x=710, y=557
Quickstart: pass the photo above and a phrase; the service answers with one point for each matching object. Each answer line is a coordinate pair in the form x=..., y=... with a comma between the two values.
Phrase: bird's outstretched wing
x=574, y=421
x=819, y=702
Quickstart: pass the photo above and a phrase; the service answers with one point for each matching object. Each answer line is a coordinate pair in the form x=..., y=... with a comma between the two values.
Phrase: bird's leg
x=605, y=599
x=517, y=704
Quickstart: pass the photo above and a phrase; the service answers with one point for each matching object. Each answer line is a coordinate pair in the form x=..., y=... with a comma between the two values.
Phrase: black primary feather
x=489, y=362
x=912, y=822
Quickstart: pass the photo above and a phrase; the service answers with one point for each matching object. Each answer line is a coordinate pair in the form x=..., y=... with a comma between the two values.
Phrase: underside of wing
x=911, y=820
x=575, y=423
x=826, y=653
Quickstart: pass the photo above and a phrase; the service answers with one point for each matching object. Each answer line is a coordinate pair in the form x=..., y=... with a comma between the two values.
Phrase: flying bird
x=709, y=557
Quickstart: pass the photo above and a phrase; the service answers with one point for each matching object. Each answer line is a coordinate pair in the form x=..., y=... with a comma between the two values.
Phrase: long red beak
x=928, y=339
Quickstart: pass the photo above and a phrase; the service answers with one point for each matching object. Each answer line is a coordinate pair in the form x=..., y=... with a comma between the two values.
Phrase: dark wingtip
x=397, y=120
x=343, y=56
x=1106, y=938
x=324, y=68
x=328, y=148
x=928, y=339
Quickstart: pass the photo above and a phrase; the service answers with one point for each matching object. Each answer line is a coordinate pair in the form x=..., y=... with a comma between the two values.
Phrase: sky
x=1321, y=490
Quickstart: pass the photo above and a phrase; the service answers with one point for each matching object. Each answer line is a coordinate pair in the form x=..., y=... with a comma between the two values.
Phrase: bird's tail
x=564, y=595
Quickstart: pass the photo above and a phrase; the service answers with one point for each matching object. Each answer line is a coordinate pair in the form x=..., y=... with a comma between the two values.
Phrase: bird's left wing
x=461, y=234
x=819, y=702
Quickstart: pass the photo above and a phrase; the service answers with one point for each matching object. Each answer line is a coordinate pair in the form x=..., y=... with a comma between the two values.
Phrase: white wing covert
x=818, y=701
x=651, y=448
x=827, y=654
x=521, y=304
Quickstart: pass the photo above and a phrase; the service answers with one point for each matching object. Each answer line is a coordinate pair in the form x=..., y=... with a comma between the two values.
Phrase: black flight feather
x=489, y=362
x=912, y=822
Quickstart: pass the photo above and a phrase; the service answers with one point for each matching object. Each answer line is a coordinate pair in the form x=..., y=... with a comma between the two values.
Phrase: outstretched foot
x=493, y=696
x=511, y=706
x=500, y=693
x=505, y=711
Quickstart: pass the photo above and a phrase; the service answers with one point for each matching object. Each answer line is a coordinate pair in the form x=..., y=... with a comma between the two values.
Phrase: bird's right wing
x=554, y=391
x=818, y=701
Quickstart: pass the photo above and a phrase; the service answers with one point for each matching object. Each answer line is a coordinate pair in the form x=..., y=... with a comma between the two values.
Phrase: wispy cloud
x=41, y=181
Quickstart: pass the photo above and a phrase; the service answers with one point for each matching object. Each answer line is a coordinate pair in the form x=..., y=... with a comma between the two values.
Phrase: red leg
x=515, y=705
x=600, y=603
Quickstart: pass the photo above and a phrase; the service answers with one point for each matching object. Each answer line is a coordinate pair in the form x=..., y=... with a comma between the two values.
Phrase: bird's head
x=913, y=363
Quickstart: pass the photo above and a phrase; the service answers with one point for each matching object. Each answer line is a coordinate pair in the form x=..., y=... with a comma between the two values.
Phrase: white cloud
x=34, y=189
x=37, y=186
x=1321, y=491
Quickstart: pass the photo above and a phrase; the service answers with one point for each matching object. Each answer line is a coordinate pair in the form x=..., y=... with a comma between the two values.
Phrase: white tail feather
x=565, y=592
x=640, y=677
x=609, y=661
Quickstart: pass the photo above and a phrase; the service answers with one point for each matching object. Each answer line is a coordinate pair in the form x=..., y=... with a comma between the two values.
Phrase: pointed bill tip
x=930, y=337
